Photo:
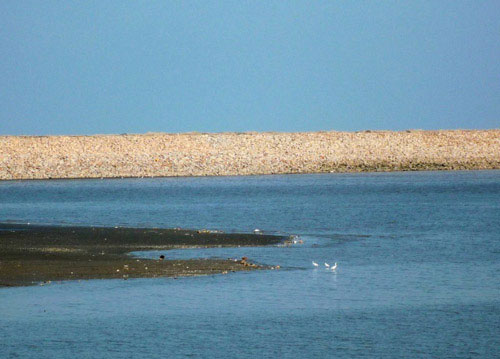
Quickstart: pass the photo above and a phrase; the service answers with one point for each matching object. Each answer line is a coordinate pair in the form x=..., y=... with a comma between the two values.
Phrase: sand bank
x=201, y=154
x=31, y=254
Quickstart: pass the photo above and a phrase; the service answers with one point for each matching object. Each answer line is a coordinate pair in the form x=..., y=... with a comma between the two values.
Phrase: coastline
x=252, y=153
x=41, y=254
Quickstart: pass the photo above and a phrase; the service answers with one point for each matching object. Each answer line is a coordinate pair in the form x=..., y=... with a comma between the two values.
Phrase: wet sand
x=251, y=153
x=33, y=254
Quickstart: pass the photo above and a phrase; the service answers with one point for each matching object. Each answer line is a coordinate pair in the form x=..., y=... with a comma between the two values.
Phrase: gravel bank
x=206, y=154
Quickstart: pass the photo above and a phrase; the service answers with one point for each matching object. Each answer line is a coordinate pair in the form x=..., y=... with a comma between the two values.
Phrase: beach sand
x=32, y=254
x=252, y=153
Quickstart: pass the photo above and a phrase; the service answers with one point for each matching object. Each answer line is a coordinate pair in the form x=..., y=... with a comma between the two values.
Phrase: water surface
x=418, y=275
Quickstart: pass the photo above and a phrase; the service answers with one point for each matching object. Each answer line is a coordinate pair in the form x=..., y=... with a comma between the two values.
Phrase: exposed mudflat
x=32, y=254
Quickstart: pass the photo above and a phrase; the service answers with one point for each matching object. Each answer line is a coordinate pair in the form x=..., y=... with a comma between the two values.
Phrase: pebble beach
x=249, y=153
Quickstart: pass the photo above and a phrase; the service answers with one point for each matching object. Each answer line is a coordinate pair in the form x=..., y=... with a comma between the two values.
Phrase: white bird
x=334, y=267
x=315, y=264
x=327, y=265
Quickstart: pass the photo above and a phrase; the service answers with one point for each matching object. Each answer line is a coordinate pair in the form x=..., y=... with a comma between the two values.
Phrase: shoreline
x=250, y=175
x=251, y=153
x=41, y=254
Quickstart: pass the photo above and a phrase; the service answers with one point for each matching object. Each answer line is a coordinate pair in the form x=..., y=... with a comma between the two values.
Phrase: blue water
x=418, y=275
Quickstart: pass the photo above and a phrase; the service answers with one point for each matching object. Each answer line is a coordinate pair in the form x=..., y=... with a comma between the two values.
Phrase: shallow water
x=418, y=275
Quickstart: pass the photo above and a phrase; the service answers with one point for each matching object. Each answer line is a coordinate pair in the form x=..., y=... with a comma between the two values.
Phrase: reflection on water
x=418, y=271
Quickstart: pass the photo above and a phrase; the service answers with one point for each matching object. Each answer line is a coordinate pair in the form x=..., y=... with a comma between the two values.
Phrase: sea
x=417, y=253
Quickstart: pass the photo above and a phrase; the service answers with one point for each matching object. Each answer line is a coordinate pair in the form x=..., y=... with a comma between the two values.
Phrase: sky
x=95, y=67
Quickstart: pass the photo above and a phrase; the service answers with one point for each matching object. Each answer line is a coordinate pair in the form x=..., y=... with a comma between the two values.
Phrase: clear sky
x=85, y=67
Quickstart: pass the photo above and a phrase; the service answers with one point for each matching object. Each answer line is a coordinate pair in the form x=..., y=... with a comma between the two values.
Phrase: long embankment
x=208, y=154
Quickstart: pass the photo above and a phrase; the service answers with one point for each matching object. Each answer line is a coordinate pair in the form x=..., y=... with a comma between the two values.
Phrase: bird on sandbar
x=315, y=264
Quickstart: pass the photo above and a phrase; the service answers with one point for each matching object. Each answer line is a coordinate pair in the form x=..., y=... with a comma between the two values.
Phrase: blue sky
x=90, y=67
